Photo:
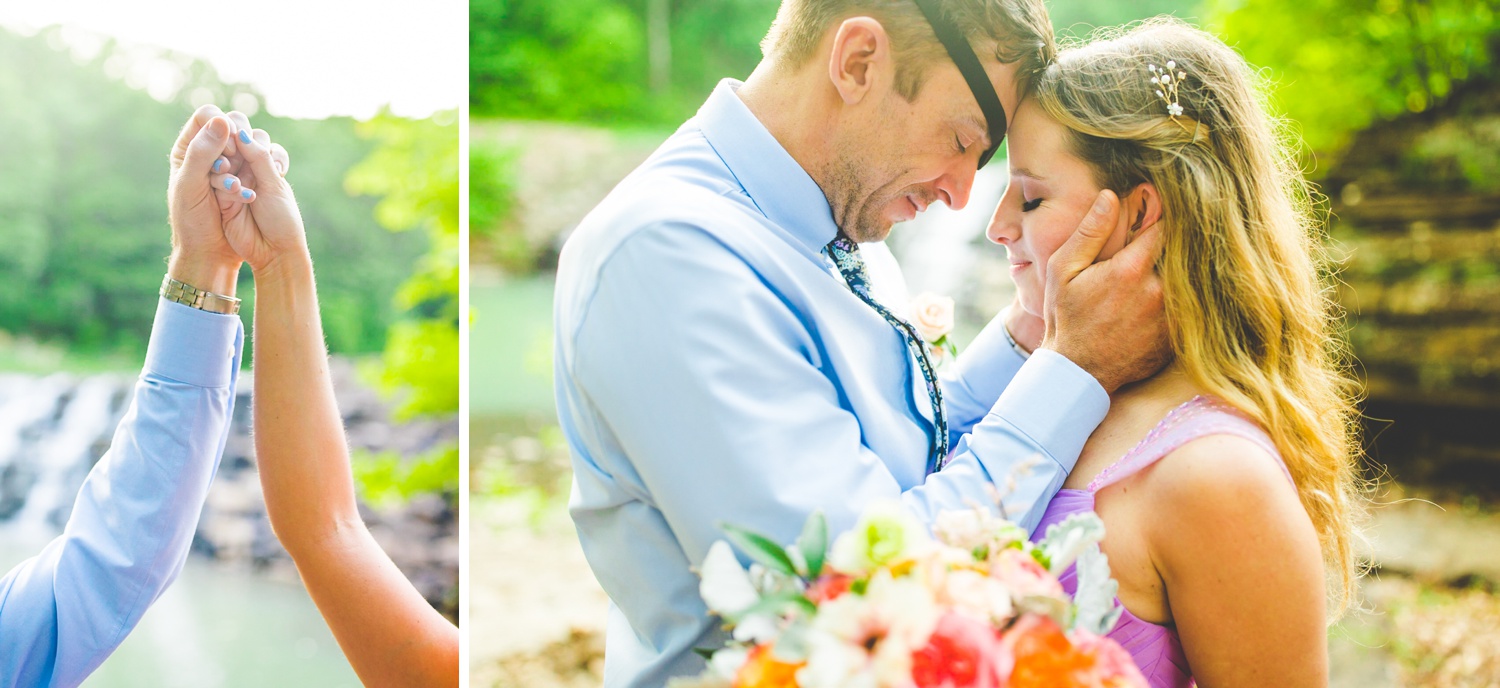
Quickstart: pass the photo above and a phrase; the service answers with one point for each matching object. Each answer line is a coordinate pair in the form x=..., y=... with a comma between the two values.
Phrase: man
x=719, y=358
x=65, y=610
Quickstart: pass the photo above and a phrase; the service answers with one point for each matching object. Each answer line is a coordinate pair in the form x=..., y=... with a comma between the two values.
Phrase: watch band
x=188, y=295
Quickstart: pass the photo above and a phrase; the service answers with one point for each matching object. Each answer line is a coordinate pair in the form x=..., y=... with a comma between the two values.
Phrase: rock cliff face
x=1416, y=216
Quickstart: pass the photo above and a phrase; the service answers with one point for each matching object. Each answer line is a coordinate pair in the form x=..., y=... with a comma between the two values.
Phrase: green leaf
x=759, y=548
x=813, y=542
x=776, y=605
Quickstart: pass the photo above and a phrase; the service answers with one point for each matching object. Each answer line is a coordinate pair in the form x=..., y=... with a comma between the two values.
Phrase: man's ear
x=860, y=59
x=1141, y=208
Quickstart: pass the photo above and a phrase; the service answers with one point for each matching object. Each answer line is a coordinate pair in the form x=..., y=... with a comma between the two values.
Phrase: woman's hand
x=257, y=209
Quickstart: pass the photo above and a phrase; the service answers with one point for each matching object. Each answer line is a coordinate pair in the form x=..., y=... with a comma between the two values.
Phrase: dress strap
x=1199, y=417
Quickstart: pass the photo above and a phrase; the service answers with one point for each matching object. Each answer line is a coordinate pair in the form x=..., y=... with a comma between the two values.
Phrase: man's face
x=897, y=157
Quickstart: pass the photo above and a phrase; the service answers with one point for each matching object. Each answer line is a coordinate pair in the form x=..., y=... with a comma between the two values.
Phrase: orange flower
x=1044, y=657
x=763, y=670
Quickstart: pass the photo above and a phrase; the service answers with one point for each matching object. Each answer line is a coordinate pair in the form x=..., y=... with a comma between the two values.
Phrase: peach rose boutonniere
x=932, y=315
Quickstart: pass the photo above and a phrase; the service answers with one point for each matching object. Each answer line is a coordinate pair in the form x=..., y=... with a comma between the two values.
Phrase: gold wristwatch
x=188, y=295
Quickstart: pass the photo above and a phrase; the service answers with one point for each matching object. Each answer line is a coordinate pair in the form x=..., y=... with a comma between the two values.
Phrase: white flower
x=978, y=595
x=886, y=534
x=868, y=640
x=1159, y=94
x=971, y=529
x=726, y=586
x=727, y=662
x=1155, y=79
x=1174, y=109
x=1171, y=64
x=932, y=315
x=1166, y=78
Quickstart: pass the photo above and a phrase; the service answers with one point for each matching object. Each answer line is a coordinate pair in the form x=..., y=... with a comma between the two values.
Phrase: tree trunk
x=659, y=44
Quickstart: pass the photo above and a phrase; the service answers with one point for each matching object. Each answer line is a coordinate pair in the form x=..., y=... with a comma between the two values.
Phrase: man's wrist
x=217, y=276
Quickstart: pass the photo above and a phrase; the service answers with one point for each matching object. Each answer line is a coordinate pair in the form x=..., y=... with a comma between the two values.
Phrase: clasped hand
x=229, y=202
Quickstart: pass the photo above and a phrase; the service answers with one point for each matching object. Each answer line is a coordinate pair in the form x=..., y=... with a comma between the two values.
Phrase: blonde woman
x=1227, y=482
x=390, y=634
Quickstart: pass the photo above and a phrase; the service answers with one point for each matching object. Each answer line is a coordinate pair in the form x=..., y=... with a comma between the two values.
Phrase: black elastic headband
x=968, y=65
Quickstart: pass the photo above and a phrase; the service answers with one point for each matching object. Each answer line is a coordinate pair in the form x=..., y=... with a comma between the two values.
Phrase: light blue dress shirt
x=711, y=366
x=65, y=610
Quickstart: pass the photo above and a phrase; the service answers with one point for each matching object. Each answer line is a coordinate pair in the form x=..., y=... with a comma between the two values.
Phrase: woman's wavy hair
x=1248, y=282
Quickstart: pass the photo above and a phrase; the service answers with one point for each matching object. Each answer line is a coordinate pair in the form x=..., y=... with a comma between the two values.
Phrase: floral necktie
x=845, y=255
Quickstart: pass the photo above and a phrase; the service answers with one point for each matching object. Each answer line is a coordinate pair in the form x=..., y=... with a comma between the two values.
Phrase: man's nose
x=954, y=186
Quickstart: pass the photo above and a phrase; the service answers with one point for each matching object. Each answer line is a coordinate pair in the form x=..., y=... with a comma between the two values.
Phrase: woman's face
x=1050, y=192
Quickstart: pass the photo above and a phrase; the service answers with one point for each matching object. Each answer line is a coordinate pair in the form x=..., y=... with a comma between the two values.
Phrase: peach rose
x=932, y=315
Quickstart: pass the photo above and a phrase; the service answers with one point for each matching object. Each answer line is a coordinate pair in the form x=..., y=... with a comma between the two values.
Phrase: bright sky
x=308, y=58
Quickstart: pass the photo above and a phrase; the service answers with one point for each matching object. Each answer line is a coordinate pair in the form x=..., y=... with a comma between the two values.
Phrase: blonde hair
x=1019, y=31
x=1246, y=276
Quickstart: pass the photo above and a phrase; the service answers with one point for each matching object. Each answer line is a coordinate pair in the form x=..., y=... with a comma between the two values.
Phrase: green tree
x=83, y=215
x=414, y=169
x=1338, y=66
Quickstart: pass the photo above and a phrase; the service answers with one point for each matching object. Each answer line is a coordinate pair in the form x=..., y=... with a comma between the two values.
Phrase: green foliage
x=579, y=59
x=493, y=232
x=1339, y=66
x=414, y=169
x=387, y=477
x=587, y=60
x=83, y=215
x=1078, y=18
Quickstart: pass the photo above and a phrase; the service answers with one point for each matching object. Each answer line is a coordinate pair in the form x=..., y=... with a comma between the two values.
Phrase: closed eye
x=1031, y=205
x=962, y=149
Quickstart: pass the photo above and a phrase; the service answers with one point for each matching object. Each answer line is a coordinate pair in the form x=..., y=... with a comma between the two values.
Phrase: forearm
x=299, y=437
x=974, y=382
x=1025, y=446
x=65, y=610
x=390, y=635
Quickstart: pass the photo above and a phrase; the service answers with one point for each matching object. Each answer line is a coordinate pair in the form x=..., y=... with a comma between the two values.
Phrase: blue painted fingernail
x=245, y=194
x=244, y=136
x=228, y=183
x=218, y=163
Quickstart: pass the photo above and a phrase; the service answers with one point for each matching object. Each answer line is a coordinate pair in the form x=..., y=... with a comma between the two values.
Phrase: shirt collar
x=776, y=183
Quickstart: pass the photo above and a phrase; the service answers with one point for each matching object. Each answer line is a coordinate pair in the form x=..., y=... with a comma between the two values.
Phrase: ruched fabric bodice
x=1155, y=648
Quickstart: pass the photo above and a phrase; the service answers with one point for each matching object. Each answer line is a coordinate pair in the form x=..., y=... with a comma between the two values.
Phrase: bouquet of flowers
x=890, y=606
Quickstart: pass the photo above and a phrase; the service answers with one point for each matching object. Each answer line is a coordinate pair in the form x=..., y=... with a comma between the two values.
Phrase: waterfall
x=37, y=429
x=66, y=449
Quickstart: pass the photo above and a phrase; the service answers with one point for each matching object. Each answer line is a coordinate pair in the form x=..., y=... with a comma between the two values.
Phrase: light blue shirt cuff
x=977, y=378
x=193, y=346
x=1055, y=403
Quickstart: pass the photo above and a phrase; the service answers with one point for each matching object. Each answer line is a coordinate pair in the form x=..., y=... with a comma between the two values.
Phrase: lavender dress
x=1155, y=649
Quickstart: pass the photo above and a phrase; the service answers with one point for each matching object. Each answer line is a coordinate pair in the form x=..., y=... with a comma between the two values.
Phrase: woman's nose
x=1005, y=224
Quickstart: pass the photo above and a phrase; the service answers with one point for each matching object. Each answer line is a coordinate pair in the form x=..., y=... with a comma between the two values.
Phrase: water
x=217, y=626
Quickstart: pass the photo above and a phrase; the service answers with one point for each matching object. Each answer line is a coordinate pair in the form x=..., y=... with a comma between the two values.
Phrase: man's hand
x=201, y=256
x=1107, y=318
x=259, y=213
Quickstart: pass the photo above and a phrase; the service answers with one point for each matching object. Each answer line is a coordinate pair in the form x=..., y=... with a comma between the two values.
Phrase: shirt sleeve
x=65, y=610
x=719, y=397
x=973, y=384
